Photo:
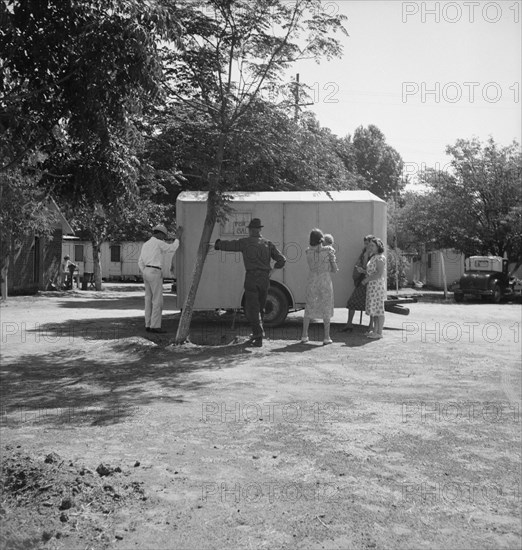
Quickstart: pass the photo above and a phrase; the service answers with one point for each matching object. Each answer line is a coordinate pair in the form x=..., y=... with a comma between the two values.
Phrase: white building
x=119, y=261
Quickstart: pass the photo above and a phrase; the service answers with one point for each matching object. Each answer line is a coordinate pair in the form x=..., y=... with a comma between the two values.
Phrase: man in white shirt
x=150, y=264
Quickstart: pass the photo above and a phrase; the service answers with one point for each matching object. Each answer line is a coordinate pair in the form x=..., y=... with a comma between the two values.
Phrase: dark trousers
x=256, y=290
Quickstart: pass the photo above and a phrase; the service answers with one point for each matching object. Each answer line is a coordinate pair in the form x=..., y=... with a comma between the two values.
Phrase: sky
x=425, y=73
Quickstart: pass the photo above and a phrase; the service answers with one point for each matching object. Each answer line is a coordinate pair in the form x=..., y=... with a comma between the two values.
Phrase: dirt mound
x=52, y=502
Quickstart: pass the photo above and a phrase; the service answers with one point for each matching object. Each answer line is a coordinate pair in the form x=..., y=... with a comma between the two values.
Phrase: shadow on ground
x=99, y=370
x=207, y=329
x=124, y=302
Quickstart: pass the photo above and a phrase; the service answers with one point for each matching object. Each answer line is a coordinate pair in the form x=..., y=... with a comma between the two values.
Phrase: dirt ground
x=112, y=438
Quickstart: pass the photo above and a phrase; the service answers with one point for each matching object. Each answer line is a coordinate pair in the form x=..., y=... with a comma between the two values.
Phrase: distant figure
x=376, y=292
x=319, y=289
x=357, y=301
x=68, y=269
x=150, y=263
x=257, y=255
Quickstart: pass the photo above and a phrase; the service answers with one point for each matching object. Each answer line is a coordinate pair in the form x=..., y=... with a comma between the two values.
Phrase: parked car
x=486, y=276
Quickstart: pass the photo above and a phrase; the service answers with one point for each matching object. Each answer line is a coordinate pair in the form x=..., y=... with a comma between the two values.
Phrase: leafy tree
x=74, y=76
x=477, y=209
x=232, y=49
x=269, y=151
x=377, y=163
x=25, y=209
x=488, y=194
x=396, y=266
x=130, y=217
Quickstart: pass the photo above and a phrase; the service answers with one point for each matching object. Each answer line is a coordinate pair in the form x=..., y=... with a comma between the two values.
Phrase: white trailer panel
x=288, y=218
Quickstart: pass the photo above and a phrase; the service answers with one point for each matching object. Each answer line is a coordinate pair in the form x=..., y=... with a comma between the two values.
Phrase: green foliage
x=24, y=209
x=269, y=151
x=477, y=209
x=232, y=51
x=74, y=77
x=378, y=165
x=396, y=266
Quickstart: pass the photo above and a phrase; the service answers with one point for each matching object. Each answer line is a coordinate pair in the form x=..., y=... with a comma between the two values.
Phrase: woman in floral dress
x=319, y=289
x=376, y=287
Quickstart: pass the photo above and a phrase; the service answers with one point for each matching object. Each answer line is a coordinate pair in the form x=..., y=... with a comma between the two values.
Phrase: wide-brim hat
x=255, y=224
x=161, y=229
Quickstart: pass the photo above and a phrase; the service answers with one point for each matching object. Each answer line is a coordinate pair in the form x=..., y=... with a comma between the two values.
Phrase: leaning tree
x=232, y=51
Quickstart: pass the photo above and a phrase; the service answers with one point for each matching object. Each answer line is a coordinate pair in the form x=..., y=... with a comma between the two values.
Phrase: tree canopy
x=475, y=209
x=378, y=165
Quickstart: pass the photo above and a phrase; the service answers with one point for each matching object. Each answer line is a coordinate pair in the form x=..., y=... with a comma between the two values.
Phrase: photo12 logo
x=460, y=12
x=468, y=332
x=34, y=332
x=270, y=491
x=66, y=414
x=459, y=492
x=292, y=413
x=455, y=92
x=414, y=169
x=451, y=412
x=303, y=94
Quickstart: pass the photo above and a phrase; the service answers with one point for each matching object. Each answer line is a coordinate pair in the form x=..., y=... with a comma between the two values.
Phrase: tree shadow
x=103, y=369
x=104, y=384
x=123, y=302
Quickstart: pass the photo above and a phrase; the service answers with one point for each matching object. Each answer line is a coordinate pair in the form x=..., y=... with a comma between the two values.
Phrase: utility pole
x=296, y=99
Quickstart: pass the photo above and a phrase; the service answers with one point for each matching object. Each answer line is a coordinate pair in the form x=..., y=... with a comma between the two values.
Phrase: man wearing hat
x=257, y=255
x=150, y=264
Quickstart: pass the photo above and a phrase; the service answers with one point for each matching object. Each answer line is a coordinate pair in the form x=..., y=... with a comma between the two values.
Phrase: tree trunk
x=96, y=264
x=5, y=269
x=188, y=306
x=443, y=268
x=6, y=252
x=208, y=227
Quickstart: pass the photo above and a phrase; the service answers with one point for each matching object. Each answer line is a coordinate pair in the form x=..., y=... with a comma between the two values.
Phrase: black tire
x=497, y=292
x=276, y=307
x=459, y=297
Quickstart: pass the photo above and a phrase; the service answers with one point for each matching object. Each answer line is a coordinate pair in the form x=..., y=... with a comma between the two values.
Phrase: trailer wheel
x=276, y=307
x=459, y=297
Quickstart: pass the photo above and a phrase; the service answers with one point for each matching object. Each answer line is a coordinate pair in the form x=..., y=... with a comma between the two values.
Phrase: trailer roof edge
x=286, y=196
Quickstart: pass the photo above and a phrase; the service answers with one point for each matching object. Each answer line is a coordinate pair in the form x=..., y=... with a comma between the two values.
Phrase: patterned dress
x=319, y=289
x=376, y=292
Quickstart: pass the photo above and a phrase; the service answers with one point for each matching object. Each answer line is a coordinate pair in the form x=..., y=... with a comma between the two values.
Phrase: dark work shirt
x=257, y=252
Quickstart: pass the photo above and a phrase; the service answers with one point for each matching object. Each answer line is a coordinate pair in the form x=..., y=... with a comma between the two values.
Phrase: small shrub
x=396, y=262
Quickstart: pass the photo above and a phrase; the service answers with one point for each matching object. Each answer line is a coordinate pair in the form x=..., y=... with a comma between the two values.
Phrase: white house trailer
x=119, y=261
x=428, y=268
x=453, y=267
x=288, y=218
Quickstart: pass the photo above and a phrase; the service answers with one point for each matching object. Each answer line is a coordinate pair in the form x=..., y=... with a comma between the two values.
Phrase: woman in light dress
x=376, y=287
x=319, y=290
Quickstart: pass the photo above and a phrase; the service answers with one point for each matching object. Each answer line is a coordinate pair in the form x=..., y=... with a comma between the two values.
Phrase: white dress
x=319, y=288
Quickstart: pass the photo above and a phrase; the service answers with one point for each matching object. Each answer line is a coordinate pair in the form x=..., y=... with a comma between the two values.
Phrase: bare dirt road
x=412, y=441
